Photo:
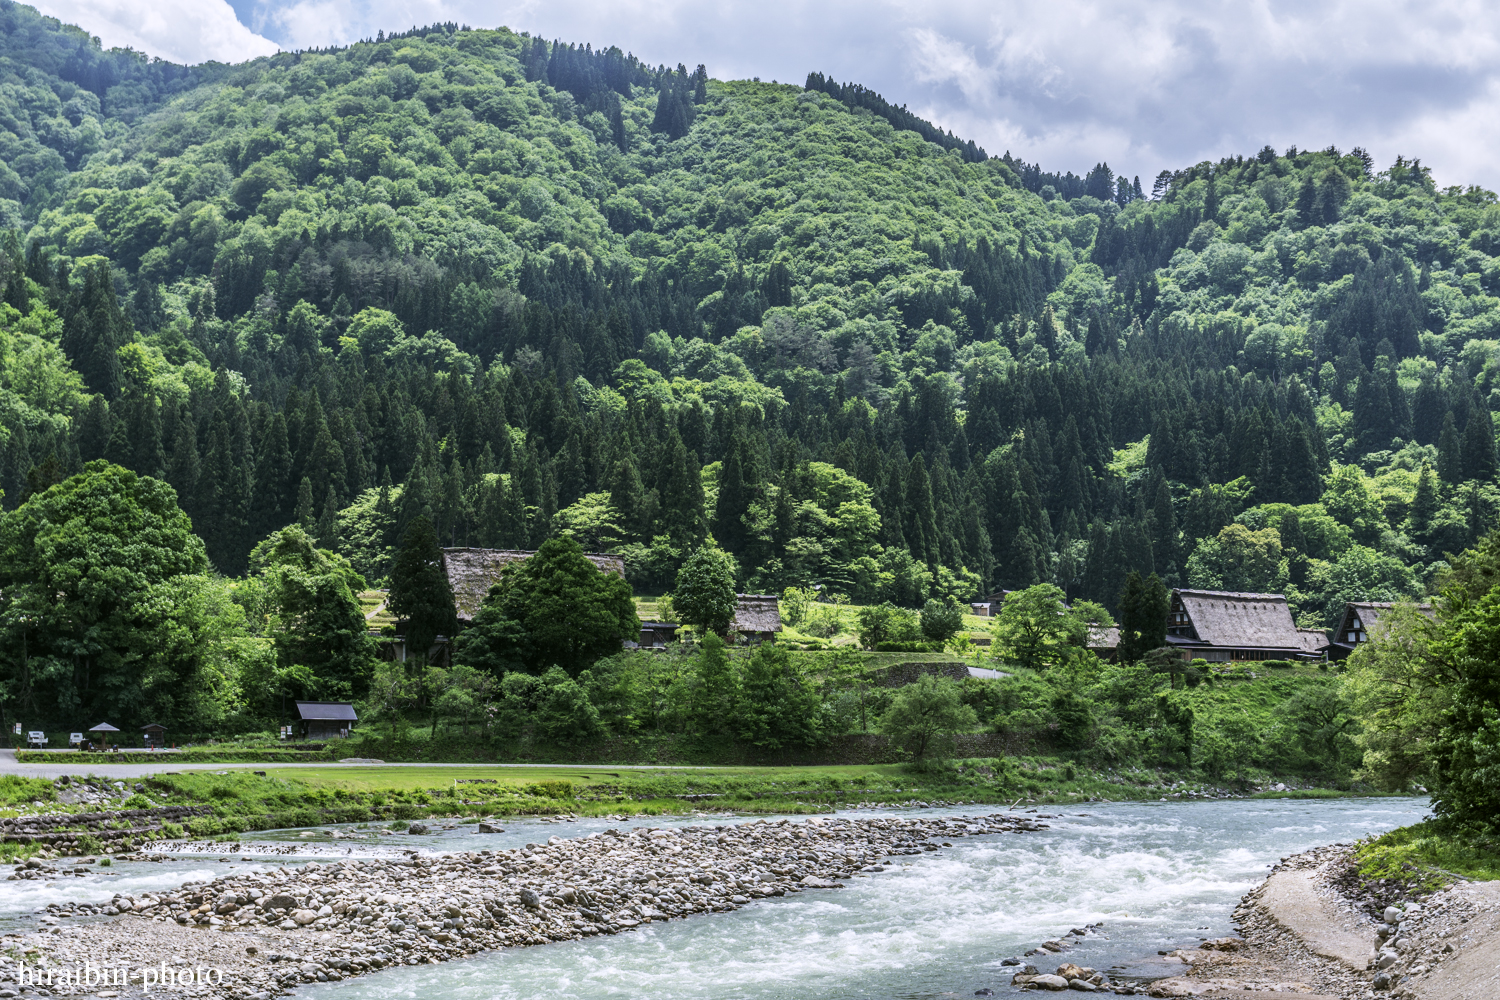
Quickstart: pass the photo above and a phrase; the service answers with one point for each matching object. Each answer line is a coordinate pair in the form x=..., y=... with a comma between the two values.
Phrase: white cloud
x=187, y=31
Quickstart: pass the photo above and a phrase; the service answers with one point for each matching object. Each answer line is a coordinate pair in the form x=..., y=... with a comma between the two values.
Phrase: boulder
x=1083, y=985
x=417, y=828
x=530, y=899
x=281, y=901
x=303, y=917
x=1071, y=971
x=490, y=828
x=1049, y=982
x=1393, y=915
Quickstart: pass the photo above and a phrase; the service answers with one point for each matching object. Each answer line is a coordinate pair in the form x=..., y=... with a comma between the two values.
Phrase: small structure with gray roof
x=326, y=720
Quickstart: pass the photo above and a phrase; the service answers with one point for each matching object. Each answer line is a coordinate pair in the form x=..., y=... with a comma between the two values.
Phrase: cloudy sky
x=1142, y=84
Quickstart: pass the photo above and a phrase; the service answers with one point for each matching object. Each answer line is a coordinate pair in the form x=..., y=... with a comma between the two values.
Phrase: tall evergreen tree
x=420, y=593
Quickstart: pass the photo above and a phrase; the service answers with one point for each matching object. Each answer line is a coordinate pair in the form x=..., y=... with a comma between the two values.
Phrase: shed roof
x=757, y=613
x=326, y=711
x=1234, y=619
x=154, y=727
x=472, y=572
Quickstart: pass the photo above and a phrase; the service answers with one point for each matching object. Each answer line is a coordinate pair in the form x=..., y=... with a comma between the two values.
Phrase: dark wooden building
x=1361, y=619
x=1225, y=626
x=326, y=720
x=154, y=735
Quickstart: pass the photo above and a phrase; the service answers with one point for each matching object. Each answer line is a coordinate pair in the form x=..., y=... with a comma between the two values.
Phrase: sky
x=1143, y=85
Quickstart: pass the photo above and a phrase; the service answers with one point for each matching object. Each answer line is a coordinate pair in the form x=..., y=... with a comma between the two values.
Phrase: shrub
x=136, y=801
x=204, y=826
x=169, y=830
x=90, y=844
x=550, y=789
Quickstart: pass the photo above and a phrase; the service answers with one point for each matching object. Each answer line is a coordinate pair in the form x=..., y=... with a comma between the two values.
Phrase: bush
x=136, y=801
x=884, y=623
x=1276, y=664
x=90, y=844
x=169, y=830
x=204, y=826
x=941, y=620
x=550, y=789
x=908, y=647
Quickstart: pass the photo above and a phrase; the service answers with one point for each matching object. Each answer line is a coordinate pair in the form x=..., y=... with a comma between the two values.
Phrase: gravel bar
x=262, y=934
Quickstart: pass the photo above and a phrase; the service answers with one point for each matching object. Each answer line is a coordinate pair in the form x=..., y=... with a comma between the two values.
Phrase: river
x=1156, y=875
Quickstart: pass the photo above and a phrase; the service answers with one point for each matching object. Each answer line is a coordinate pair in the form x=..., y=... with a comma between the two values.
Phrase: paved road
x=94, y=765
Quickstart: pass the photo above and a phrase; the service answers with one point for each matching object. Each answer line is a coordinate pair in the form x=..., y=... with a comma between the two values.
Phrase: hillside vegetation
x=266, y=326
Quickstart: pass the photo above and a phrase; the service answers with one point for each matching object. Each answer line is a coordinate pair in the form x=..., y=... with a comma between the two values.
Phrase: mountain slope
x=528, y=287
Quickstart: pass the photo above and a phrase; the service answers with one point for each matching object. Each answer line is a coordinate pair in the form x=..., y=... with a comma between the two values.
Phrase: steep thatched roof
x=1369, y=612
x=1104, y=637
x=1314, y=640
x=1232, y=619
x=472, y=572
x=757, y=613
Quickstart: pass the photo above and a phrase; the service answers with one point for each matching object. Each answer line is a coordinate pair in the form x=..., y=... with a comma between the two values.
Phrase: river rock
x=490, y=828
x=1393, y=915
x=417, y=828
x=303, y=917
x=281, y=901
x=530, y=899
x=1083, y=985
x=1049, y=982
x=1070, y=971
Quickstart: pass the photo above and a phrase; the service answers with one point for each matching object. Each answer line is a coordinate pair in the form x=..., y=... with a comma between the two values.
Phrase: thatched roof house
x=471, y=573
x=1361, y=619
x=1220, y=625
x=757, y=617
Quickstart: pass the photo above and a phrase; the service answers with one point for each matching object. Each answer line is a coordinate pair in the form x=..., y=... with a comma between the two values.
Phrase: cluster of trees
x=512, y=288
x=1427, y=690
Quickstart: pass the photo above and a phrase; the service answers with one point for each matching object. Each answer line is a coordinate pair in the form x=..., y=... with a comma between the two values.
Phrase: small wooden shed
x=154, y=735
x=326, y=720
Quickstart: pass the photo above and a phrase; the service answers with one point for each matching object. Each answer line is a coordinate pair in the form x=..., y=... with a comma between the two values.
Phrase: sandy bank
x=1302, y=935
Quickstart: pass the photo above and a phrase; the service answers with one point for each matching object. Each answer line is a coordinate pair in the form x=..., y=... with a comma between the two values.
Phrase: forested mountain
x=529, y=287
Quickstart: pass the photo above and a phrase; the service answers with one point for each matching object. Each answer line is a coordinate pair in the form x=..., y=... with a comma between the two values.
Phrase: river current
x=1157, y=876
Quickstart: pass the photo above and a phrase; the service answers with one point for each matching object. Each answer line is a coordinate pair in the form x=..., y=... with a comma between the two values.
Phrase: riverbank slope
x=1302, y=933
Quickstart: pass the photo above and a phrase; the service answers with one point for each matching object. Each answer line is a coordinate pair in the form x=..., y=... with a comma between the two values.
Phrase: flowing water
x=1156, y=875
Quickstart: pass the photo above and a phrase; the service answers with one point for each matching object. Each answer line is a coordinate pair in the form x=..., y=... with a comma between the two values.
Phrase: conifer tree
x=1144, y=605
x=420, y=593
x=1450, y=465
x=1478, y=454
x=302, y=514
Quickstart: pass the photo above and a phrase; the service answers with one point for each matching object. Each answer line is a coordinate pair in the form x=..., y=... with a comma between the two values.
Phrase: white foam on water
x=1158, y=875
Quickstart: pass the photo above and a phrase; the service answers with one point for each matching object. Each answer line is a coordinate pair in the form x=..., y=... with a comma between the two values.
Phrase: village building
x=655, y=635
x=1225, y=626
x=1361, y=619
x=326, y=720
x=757, y=617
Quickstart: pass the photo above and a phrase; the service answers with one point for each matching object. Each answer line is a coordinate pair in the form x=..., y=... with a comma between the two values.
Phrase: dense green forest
x=527, y=288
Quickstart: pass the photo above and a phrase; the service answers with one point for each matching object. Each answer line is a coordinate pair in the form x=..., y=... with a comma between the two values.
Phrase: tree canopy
x=553, y=609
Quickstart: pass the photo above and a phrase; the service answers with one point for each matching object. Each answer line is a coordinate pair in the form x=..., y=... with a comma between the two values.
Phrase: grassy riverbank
x=1427, y=856
x=237, y=801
